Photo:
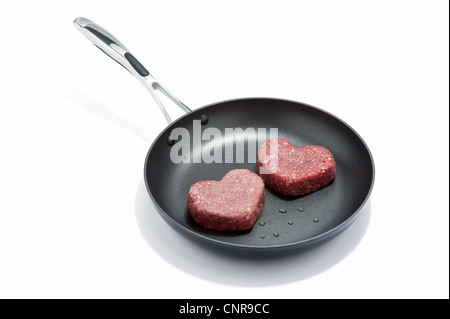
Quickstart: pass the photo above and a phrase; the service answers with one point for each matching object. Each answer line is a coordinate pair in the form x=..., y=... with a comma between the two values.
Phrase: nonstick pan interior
x=303, y=220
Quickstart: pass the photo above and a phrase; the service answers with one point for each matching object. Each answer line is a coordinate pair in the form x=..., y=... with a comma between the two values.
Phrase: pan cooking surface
x=285, y=221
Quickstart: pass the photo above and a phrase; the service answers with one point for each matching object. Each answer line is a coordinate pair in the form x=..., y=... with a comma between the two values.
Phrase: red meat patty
x=232, y=204
x=294, y=171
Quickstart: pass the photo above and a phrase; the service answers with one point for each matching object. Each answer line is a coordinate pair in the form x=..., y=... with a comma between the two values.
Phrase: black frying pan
x=285, y=222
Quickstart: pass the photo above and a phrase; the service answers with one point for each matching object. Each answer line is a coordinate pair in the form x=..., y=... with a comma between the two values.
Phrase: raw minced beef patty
x=232, y=204
x=295, y=171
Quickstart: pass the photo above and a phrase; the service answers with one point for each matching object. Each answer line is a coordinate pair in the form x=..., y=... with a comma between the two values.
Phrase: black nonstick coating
x=303, y=220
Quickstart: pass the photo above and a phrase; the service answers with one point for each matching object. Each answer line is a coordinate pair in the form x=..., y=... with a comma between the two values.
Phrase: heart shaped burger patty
x=232, y=204
x=294, y=171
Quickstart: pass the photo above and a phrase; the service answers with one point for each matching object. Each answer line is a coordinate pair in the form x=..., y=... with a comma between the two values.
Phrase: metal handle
x=112, y=47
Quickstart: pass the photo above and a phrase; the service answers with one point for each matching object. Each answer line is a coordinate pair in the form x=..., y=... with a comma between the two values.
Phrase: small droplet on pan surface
x=290, y=222
x=204, y=119
x=300, y=209
x=282, y=210
x=316, y=220
x=276, y=234
x=262, y=223
x=262, y=236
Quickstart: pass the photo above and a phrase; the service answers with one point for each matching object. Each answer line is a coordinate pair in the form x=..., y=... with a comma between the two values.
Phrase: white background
x=75, y=218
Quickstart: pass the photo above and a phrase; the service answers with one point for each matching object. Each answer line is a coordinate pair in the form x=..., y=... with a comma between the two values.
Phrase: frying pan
x=285, y=222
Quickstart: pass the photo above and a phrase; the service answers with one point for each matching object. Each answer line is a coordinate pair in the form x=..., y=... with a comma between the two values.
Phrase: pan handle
x=112, y=47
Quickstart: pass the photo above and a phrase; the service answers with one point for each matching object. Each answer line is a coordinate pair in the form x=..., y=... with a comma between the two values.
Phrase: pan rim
x=298, y=244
